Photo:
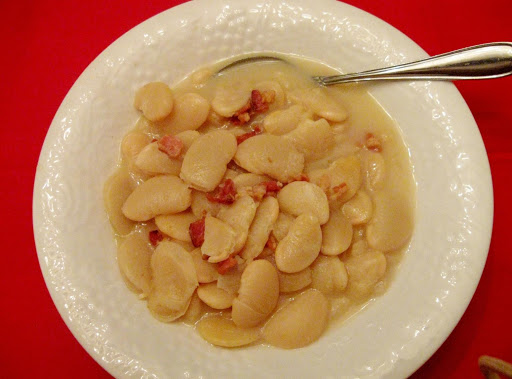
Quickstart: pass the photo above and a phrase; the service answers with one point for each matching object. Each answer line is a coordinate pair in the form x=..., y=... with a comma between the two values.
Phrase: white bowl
x=397, y=332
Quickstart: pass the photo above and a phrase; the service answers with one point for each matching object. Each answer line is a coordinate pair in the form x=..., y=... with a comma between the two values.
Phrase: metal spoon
x=487, y=61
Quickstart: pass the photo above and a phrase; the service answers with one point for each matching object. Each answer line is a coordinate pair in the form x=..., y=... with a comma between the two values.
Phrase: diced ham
x=226, y=265
x=155, y=236
x=271, y=242
x=242, y=115
x=241, y=138
x=272, y=186
x=260, y=190
x=170, y=145
x=224, y=194
x=196, y=231
x=373, y=143
x=258, y=103
x=246, y=108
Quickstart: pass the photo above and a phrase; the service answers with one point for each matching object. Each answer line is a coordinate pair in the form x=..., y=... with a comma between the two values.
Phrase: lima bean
x=206, y=160
x=159, y=195
x=270, y=155
x=301, y=245
x=298, y=323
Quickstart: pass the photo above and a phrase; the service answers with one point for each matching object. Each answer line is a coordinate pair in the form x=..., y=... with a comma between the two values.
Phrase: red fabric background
x=47, y=44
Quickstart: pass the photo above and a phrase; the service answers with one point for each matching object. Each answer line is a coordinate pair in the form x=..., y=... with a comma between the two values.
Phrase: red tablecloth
x=47, y=44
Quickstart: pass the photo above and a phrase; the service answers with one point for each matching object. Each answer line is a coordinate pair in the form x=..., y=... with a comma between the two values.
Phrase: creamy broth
x=248, y=214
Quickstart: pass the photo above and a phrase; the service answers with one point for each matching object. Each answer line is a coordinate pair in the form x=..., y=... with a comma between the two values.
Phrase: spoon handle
x=487, y=61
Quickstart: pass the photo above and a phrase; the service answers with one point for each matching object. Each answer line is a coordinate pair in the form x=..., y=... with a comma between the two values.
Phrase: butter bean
x=194, y=311
x=229, y=99
x=158, y=195
x=188, y=137
x=301, y=245
x=132, y=144
x=291, y=282
x=200, y=77
x=219, y=240
x=215, y=297
x=155, y=100
x=152, y=161
x=189, y=113
x=282, y=225
x=314, y=139
x=336, y=234
x=329, y=275
x=284, y=121
x=359, y=247
x=115, y=192
x=364, y=272
x=206, y=160
x=374, y=169
x=258, y=294
x=176, y=225
x=322, y=104
x=299, y=323
x=164, y=314
x=392, y=222
x=264, y=219
x=220, y=331
x=206, y=272
x=249, y=180
x=359, y=209
x=303, y=197
x=186, y=245
x=174, y=281
x=133, y=258
x=270, y=155
x=344, y=171
x=294, y=282
x=239, y=216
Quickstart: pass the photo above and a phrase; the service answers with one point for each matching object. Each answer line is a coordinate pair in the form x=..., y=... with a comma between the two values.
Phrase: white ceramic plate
x=397, y=332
